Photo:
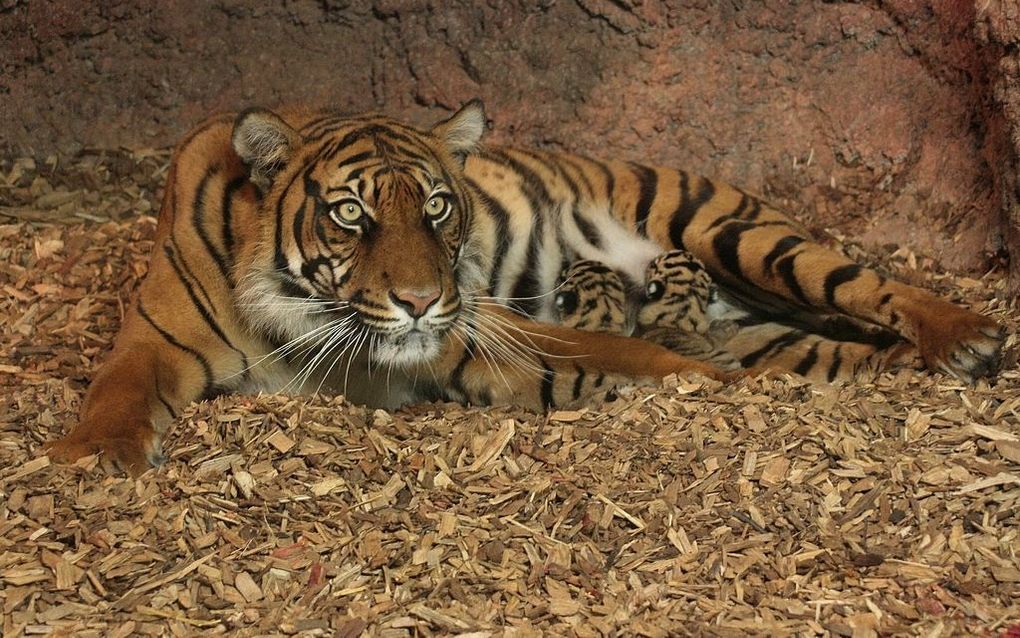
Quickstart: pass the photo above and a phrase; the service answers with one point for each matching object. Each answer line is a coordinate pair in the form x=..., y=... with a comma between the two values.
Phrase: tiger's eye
x=437, y=208
x=348, y=212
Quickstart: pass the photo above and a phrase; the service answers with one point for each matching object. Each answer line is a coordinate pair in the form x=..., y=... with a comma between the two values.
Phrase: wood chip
x=246, y=585
x=280, y=441
x=775, y=472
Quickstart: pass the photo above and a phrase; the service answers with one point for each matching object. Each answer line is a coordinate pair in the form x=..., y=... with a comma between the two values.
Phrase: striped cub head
x=591, y=296
x=365, y=223
x=677, y=291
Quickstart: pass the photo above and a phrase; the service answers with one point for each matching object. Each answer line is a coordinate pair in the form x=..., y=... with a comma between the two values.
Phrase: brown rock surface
x=890, y=120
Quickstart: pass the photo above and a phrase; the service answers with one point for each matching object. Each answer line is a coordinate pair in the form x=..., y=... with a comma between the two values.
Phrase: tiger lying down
x=305, y=251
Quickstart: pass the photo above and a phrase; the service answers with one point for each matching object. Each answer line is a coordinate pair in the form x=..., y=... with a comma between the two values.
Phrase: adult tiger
x=312, y=250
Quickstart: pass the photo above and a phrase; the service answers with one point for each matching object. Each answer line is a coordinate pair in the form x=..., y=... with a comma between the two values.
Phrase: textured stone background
x=888, y=120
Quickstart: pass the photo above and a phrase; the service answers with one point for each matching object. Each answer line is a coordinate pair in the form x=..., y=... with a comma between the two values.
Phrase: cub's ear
x=264, y=142
x=462, y=131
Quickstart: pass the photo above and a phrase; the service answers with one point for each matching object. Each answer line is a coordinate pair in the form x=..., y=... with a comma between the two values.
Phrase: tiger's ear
x=462, y=131
x=264, y=142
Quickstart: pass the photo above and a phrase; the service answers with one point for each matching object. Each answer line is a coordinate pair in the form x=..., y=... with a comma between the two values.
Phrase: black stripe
x=838, y=277
x=208, y=124
x=755, y=211
x=735, y=214
x=310, y=269
x=582, y=177
x=588, y=229
x=782, y=341
x=206, y=368
x=162, y=399
x=279, y=259
x=687, y=208
x=198, y=221
x=290, y=287
x=837, y=361
x=785, y=268
x=502, y=221
x=783, y=246
x=327, y=119
x=354, y=159
x=809, y=360
x=727, y=247
x=173, y=414
x=886, y=298
x=648, y=181
x=578, y=382
x=314, y=192
x=610, y=181
x=233, y=186
x=527, y=286
x=203, y=311
x=548, y=379
x=457, y=376
x=345, y=276
x=173, y=250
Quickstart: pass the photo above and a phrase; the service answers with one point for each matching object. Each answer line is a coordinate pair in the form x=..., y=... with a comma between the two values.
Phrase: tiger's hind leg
x=815, y=357
x=748, y=244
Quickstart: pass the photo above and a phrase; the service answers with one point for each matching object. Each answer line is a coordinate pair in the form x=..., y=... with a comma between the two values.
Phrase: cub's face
x=591, y=296
x=369, y=222
x=678, y=289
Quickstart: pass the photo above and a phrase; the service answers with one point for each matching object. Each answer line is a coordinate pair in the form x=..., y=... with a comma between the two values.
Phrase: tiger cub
x=681, y=310
x=592, y=296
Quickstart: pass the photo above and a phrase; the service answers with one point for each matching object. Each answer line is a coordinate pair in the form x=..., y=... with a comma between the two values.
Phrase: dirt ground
x=887, y=507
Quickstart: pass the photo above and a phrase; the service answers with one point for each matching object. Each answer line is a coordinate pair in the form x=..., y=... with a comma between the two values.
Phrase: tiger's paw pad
x=134, y=455
x=968, y=348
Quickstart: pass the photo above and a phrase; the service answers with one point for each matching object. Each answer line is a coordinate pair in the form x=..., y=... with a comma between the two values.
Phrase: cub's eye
x=654, y=291
x=437, y=208
x=347, y=213
x=566, y=302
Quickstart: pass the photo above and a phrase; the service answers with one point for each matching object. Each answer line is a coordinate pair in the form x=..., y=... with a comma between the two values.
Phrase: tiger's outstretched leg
x=506, y=359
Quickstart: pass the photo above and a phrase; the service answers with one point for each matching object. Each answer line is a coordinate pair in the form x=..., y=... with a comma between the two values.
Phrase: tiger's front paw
x=961, y=343
x=134, y=451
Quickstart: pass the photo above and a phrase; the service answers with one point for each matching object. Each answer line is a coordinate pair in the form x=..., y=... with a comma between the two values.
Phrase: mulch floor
x=770, y=507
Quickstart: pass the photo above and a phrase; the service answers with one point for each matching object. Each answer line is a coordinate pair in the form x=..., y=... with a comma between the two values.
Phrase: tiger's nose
x=415, y=302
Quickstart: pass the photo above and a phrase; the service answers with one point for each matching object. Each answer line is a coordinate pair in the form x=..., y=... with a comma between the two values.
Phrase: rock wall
x=888, y=120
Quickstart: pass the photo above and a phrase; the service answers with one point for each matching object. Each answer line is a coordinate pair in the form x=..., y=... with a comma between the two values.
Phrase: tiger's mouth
x=412, y=347
x=403, y=341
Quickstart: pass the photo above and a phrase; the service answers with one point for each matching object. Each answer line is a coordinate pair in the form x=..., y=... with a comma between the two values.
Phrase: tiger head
x=365, y=224
x=678, y=289
x=591, y=296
